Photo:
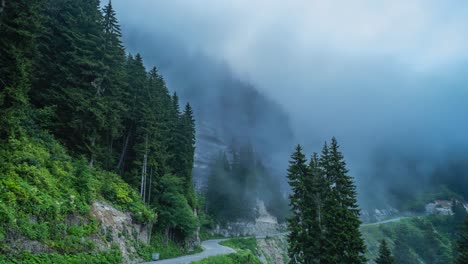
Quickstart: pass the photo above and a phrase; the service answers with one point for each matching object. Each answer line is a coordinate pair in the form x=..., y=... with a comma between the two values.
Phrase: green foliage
x=297, y=172
x=429, y=239
x=41, y=186
x=385, y=256
x=325, y=224
x=107, y=257
x=74, y=110
x=242, y=257
x=176, y=216
x=234, y=187
x=166, y=249
x=242, y=244
x=19, y=23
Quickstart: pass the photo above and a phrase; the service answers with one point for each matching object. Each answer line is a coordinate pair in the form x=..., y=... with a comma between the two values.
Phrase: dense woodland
x=238, y=179
x=325, y=225
x=70, y=92
x=82, y=120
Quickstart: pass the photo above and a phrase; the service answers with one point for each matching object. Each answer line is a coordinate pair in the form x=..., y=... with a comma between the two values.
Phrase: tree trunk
x=124, y=151
x=109, y=159
x=143, y=178
x=166, y=234
x=93, y=145
x=150, y=185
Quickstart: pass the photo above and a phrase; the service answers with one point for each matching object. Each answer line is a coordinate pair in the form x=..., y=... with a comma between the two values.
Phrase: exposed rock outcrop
x=273, y=250
x=265, y=224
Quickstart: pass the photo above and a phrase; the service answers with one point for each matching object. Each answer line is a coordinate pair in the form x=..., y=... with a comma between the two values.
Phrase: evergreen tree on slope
x=385, y=256
x=19, y=25
x=113, y=85
x=297, y=172
x=313, y=209
x=345, y=243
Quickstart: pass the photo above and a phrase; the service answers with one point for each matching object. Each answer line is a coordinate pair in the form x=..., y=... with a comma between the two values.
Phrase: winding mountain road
x=213, y=248
x=397, y=219
x=210, y=248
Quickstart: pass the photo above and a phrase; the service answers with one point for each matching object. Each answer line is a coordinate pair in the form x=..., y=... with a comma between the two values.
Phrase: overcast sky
x=376, y=74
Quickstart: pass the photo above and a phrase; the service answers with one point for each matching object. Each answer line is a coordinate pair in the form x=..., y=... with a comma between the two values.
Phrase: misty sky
x=378, y=75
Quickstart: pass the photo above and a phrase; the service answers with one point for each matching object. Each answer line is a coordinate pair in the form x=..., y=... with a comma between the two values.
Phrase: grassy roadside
x=246, y=253
x=248, y=244
x=166, y=250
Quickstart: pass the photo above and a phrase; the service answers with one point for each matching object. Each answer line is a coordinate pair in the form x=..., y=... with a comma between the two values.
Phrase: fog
x=388, y=79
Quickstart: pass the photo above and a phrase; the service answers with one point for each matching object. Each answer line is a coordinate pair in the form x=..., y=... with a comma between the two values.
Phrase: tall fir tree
x=20, y=23
x=72, y=84
x=315, y=191
x=297, y=172
x=63, y=68
x=325, y=223
x=345, y=243
x=385, y=256
x=188, y=126
x=113, y=85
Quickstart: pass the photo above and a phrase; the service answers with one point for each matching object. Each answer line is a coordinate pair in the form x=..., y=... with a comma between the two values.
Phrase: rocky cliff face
x=118, y=228
x=114, y=228
x=264, y=225
x=273, y=250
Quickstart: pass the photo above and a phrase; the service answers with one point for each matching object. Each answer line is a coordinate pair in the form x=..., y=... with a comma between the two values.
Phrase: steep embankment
x=274, y=249
x=424, y=239
x=48, y=207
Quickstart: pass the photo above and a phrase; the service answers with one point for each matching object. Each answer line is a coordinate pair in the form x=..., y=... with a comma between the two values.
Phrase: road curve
x=213, y=248
x=210, y=248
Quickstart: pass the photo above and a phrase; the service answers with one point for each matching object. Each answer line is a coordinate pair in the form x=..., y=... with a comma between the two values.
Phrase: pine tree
x=385, y=256
x=68, y=73
x=113, y=84
x=19, y=26
x=297, y=172
x=178, y=141
x=463, y=244
x=188, y=126
x=313, y=209
x=345, y=241
x=135, y=122
x=63, y=68
x=402, y=252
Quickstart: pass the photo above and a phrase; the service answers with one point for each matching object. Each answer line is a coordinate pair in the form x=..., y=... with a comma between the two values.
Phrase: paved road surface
x=397, y=219
x=211, y=248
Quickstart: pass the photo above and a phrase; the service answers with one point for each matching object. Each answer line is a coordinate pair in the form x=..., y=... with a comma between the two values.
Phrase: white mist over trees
x=384, y=90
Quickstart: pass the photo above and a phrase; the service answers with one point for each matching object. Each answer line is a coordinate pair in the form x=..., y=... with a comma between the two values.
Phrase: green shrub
x=429, y=238
x=41, y=186
x=242, y=257
x=109, y=257
x=242, y=244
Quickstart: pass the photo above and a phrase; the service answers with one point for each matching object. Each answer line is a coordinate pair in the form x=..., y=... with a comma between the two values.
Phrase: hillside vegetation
x=83, y=121
x=246, y=253
x=426, y=239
